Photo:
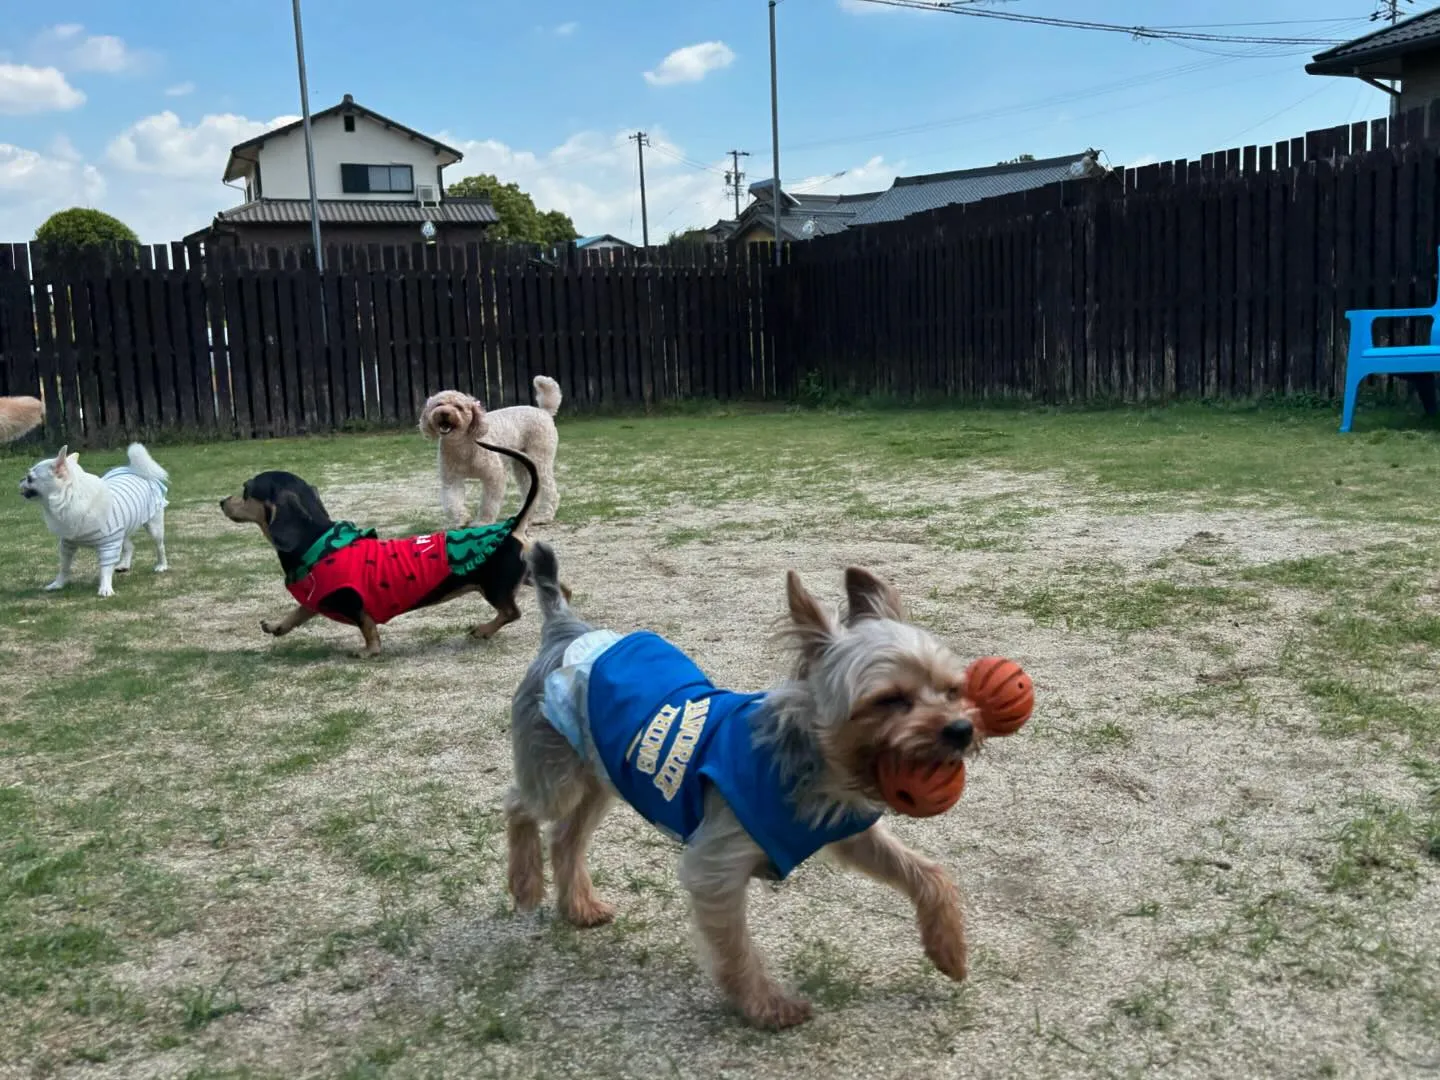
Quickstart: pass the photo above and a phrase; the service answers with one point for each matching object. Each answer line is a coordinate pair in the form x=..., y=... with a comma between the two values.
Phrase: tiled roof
x=359, y=212
x=1378, y=54
x=823, y=214
x=913, y=194
x=587, y=241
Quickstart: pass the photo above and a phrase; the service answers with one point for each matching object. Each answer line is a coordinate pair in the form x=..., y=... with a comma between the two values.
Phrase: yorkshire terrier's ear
x=870, y=598
x=810, y=628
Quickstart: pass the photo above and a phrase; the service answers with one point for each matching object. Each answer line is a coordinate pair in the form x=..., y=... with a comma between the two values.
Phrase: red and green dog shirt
x=390, y=576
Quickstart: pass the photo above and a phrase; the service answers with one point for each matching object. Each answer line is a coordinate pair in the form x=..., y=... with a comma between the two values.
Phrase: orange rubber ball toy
x=919, y=789
x=1002, y=694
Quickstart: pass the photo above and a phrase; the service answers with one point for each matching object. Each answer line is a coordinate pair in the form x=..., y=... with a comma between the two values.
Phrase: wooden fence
x=254, y=344
x=1223, y=277
x=1227, y=276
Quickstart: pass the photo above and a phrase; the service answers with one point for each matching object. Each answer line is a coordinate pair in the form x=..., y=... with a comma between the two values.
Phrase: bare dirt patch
x=1170, y=872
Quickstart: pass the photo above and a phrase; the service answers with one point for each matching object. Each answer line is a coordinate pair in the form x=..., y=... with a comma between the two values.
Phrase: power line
x=675, y=155
x=1388, y=11
x=948, y=7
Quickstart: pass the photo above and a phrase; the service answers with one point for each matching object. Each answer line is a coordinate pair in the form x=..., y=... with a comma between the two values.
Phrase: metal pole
x=309, y=146
x=775, y=204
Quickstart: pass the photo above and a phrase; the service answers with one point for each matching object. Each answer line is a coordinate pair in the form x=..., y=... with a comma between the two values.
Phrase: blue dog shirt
x=662, y=730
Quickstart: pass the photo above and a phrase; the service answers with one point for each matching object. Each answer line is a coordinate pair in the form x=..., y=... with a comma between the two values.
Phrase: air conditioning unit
x=428, y=194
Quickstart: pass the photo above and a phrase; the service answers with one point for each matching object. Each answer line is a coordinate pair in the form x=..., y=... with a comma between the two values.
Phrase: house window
x=349, y=122
x=376, y=179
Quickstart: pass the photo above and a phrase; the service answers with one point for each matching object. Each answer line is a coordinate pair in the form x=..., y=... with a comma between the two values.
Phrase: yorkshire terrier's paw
x=527, y=888
x=587, y=911
x=945, y=946
x=775, y=1012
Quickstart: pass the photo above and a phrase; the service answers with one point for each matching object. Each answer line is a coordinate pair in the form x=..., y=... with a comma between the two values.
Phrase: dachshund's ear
x=291, y=524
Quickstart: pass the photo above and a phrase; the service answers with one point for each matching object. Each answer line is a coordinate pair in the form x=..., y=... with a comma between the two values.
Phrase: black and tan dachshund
x=334, y=569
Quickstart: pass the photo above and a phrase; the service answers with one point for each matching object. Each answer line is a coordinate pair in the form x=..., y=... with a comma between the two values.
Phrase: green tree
x=687, y=236
x=79, y=228
x=519, y=221
x=1017, y=160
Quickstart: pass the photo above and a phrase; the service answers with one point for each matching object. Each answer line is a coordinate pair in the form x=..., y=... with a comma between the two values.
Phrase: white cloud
x=162, y=145
x=691, y=63
x=180, y=89
x=161, y=176
x=591, y=177
x=566, y=29
x=26, y=89
x=165, y=174
x=69, y=47
x=33, y=185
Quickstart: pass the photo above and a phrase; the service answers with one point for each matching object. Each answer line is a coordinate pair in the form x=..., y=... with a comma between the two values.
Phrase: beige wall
x=283, y=174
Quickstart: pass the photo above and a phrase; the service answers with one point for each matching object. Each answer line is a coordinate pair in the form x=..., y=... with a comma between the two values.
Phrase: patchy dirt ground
x=1183, y=867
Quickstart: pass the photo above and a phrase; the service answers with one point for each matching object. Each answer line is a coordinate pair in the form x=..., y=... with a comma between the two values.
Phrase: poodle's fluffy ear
x=477, y=420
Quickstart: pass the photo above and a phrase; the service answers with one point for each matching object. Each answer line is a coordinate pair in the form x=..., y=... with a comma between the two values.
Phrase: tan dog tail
x=547, y=393
x=530, y=493
x=22, y=415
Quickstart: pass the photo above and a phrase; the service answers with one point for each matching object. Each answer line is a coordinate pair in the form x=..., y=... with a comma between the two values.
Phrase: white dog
x=85, y=510
x=458, y=421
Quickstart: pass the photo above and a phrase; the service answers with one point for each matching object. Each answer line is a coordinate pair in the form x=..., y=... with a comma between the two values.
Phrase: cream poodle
x=19, y=416
x=458, y=420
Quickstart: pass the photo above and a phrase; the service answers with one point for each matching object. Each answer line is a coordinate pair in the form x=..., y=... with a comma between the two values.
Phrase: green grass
x=180, y=793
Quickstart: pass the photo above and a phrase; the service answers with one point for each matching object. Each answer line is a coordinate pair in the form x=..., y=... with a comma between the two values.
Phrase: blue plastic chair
x=1366, y=358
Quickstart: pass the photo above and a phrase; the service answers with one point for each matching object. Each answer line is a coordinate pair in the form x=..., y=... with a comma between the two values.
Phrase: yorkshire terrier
x=752, y=784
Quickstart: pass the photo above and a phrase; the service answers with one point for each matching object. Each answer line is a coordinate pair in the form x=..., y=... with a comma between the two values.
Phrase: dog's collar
x=341, y=534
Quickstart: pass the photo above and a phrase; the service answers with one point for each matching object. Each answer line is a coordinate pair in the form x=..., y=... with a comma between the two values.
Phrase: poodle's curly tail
x=547, y=393
x=22, y=415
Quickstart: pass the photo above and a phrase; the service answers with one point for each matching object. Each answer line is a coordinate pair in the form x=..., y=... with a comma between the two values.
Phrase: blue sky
x=132, y=106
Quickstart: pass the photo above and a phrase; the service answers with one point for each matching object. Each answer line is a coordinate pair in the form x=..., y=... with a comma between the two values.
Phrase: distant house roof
x=452, y=211
x=243, y=154
x=591, y=241
x=804, y=217
x=914, y=194
x=1377, y=55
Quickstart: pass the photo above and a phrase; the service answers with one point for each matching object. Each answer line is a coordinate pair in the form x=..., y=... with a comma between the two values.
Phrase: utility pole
x=776, y=206
x=641, y=141
x=1389, y=11
x=309, y=146
x=735, y=176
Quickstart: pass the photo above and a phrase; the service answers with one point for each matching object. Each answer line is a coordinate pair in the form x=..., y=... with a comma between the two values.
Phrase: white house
x=377, y=181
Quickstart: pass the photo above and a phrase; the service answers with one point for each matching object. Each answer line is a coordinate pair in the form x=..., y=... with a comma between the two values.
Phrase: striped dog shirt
x=134, y=499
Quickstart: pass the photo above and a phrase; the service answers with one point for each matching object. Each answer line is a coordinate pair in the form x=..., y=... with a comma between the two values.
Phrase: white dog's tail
x=141, y=461
x=547, y=394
